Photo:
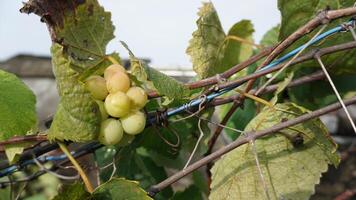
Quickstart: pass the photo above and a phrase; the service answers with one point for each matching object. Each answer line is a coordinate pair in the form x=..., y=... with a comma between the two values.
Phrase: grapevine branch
x=322, y=18
x=246, y=138
x=26, y=138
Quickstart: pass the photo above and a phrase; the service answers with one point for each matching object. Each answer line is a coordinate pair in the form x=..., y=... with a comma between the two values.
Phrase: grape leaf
x=290, y=169
x=240, y=118
x=119, y=189
x=211, y=50
x=319, y=93
x=236, y=46
x=270, y=37
x=17, y=107
x=75, y=191
x=151, y=174
x=116, y=188
x=78, y=116
x=13, y=151
x=153, y=79
x=99, y=68
x=83, y=28
x=17, y=113
x=295, y=13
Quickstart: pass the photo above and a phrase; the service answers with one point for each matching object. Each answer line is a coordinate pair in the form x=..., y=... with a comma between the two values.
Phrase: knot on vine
x=220, y=80
x=323, y=16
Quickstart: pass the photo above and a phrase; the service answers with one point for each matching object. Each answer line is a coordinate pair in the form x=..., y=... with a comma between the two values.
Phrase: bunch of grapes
x=120, y=103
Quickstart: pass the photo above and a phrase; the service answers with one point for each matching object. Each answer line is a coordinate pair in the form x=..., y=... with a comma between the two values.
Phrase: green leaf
x=17, y=112
x=167, y=85
x=99, y=68
x=203, y=47
x=78, y=116
x=13, y=151
x=119, y=189
x=75, y=191
x=270, y=37
x=290, y=167
x=319, y=93
x=155, y=80
x=17, y=107
x=213, y=52
x=5, y=193
x=82, y=27
x=240, y=118
x=151, y=174
x=295, y=13
x=236, y=46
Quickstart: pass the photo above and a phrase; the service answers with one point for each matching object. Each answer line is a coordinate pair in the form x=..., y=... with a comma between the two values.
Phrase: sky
x=155, y=29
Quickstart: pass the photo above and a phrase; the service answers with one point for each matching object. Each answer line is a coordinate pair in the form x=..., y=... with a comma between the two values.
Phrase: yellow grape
x=117, y=104
x=118, y=81
x=138, y=97
x=104, y=114
x=97, y=87
x=134, y=123
x=112, y=69
x=111, y=132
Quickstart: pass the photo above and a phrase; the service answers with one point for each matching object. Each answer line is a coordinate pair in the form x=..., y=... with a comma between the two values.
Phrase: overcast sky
x=156, y=29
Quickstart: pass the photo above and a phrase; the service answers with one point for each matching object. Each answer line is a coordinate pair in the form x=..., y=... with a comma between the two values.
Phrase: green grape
x=138, y=97
x=134, y=123
x=118, y=81
x=111, y=132
x=97, y=87
x=117, y=104
x=104, y=114
x=112, y=69
x=126, y=140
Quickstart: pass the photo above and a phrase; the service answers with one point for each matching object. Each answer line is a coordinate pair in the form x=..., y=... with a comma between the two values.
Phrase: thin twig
x=80, y=170
x=60, y=176
x=317, y=57
x=346, y=195
x=251, y=135
x=201, y=135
